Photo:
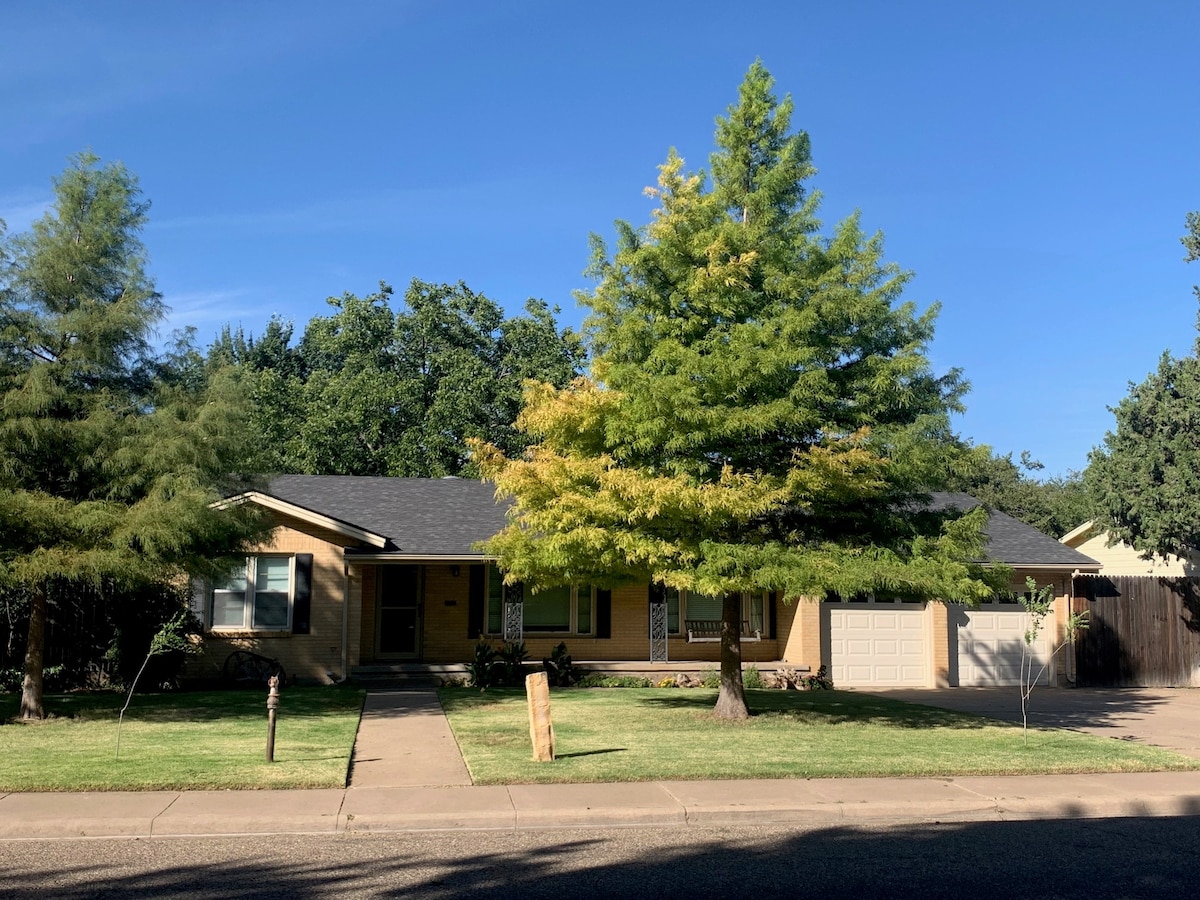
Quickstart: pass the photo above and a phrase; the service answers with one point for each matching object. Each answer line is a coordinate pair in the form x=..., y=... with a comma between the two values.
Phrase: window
x=559, y=610
x=255, y=596
x=548, y=610
x=672, y=610
x=707, y=608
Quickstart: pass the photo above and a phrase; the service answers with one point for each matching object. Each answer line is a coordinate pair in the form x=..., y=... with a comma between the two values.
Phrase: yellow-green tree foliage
x=760, y=412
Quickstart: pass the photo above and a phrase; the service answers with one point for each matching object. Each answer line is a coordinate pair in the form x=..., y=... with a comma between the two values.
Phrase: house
x=1119, y=558
x=365, y=573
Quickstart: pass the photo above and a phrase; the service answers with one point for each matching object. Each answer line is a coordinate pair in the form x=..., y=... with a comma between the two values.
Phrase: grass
x=660, y=734
x=202, y=740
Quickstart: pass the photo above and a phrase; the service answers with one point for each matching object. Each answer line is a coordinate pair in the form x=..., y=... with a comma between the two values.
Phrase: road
x=1092, y=858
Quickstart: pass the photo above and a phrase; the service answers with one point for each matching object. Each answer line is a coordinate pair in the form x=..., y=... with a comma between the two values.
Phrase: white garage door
x=877, y=643
x=989, y=645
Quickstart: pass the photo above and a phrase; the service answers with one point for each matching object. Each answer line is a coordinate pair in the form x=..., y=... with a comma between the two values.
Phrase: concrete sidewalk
x=808, y=803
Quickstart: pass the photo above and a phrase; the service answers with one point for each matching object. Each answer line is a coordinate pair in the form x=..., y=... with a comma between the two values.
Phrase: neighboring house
x=1120, y=558
x=363, y=573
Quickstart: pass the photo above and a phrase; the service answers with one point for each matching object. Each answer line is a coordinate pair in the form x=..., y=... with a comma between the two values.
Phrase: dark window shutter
x=475, y=602
x=658, y=592
x=772, y=614
x=302, y=596
x=603, y=614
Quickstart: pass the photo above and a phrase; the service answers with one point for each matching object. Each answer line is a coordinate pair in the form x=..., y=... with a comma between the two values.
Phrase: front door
x=398, y=620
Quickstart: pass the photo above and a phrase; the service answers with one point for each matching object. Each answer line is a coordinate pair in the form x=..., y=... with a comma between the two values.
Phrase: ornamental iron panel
x=514, y=613
x=658, y=630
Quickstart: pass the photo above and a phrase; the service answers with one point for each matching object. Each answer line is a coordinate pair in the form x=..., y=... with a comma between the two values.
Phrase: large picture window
x=255, y=596
x=559, y=610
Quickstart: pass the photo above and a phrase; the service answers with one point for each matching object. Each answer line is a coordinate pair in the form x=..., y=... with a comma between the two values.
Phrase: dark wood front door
x=398, y=620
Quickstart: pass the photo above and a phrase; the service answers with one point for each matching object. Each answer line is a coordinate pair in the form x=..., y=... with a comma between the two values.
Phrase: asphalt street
x=1093, y=858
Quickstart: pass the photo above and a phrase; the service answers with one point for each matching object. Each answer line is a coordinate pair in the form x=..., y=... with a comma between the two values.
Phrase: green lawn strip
x=202, y=740
x=629, y=734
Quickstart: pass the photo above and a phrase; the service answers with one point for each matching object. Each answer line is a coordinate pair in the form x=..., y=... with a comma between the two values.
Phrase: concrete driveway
x=1163, y=717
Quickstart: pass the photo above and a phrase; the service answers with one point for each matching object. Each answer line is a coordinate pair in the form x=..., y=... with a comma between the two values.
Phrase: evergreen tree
x=760, y=414
x=108, y=463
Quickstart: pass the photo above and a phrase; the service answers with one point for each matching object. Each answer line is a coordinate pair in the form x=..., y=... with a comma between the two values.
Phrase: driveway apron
x=1163, y=717
x=404, y=740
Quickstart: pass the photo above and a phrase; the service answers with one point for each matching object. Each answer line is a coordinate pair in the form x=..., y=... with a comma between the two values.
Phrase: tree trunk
x=731, y=701
x=35, y=648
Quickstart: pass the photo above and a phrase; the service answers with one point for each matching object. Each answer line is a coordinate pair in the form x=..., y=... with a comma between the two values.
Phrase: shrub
x=497, y=668
x=711, y=678
x=481, y=670
x=560, y=668
x=752, y=678
x=599, y=679
x=819, y=682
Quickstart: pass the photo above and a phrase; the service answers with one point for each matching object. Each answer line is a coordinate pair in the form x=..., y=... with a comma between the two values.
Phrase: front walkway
x=404, y=740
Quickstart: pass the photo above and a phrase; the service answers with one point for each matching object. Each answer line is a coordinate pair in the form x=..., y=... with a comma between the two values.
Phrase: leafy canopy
x=760, y=412
x=372, y=390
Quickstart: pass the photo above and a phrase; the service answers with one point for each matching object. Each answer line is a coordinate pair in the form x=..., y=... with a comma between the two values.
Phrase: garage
x=990, y=639
x=876, y=643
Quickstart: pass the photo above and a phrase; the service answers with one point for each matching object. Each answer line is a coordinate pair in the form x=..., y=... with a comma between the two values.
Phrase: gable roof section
x=1013, y=542
x=418, y=516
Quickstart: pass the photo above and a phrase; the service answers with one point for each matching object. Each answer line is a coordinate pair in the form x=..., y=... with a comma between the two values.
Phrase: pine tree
x=108, y=464
x=760, y=414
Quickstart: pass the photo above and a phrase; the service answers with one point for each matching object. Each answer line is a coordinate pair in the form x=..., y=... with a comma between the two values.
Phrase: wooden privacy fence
x=1144, y=631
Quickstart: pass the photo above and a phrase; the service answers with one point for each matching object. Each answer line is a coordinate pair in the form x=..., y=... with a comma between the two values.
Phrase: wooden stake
x=541, y=729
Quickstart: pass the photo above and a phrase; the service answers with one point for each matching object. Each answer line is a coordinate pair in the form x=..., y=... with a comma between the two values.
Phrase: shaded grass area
x=653, y=734
x=198, y=740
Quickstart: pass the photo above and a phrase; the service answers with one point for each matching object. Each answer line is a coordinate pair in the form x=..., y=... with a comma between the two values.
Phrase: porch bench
x=707, y=631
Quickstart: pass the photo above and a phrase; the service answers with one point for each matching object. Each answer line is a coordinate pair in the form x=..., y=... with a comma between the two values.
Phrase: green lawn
x=186, y=740
x=628, y=734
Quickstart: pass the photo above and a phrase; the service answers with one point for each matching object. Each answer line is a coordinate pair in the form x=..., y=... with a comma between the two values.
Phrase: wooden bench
x=707, y=631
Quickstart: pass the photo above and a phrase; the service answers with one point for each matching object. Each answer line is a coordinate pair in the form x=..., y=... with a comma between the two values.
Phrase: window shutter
x=302, y=595
x=658, y=592
x=475, y=601
x=603, y=614
x=198, y=602
x=772, y=615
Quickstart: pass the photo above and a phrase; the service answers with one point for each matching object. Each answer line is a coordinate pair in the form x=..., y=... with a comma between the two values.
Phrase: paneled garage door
x=989, y=644
x=877, y=643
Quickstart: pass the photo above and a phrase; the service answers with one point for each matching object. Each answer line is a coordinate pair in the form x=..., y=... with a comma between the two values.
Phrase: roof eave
x=267, y=501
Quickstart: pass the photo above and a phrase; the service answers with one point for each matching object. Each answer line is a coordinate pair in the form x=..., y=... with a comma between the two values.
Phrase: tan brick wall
x=939, y=644
x=800, y=632
x=304, y=656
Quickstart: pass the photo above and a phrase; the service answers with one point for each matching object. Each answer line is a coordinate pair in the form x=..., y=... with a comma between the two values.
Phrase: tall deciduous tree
x=760, y=414
x=372, y=390
x=107, y=466
x=1145, y=480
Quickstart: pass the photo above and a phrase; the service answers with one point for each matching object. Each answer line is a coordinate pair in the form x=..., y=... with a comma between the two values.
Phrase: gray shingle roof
x=435, y=516
x=1013, y=542
x=448, y=516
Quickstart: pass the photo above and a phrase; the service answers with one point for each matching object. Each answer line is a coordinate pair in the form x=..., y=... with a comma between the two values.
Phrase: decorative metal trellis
x=658, y=629
x=514, y=613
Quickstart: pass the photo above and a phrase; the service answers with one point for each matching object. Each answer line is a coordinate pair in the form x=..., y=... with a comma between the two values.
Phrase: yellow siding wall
x=1122, y=559
x=304, y=656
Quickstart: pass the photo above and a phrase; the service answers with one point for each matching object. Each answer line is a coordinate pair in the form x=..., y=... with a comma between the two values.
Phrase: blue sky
x=1031, y=162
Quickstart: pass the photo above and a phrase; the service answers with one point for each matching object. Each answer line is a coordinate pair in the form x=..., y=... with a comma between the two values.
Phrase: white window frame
x=251, y=594
x=494, y=576
x=748, y=598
